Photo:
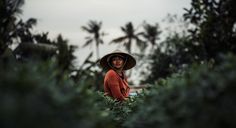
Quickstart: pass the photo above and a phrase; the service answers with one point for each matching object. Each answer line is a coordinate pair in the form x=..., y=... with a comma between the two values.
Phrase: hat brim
x=130, y=60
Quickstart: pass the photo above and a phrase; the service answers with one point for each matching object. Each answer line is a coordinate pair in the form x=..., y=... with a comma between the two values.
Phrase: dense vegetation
x=192, y=74
x=200, y=97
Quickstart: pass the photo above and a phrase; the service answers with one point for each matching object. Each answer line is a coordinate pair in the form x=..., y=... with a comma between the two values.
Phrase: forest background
x=190, y=73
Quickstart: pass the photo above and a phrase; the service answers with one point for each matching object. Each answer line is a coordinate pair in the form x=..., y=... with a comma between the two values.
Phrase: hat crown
x=118, y=51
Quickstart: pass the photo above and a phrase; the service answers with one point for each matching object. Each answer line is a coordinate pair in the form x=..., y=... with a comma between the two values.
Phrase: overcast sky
x=67, y=16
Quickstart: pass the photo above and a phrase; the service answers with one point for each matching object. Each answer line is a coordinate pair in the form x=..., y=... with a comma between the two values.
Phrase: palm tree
x=65, y=55
x=43, y=38
x=8, y=9
x=93, y=28
x=129, y=35
x=151, y=33
x=23, y=30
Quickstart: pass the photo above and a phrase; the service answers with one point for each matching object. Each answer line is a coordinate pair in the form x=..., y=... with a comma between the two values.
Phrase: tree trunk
x=97, y=49
x=129, y=45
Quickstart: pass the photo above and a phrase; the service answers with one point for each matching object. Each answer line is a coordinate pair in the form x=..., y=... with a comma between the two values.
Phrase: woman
x=115, y=81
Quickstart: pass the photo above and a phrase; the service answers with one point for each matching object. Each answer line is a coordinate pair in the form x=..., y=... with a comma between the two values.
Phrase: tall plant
x=94, y=29
x=8, y=9
x=65, y=55
x=130, y=34
x=151, y=33
x=214, y=22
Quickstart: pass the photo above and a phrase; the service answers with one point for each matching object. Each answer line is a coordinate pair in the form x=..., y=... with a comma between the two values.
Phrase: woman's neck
x=119, y=71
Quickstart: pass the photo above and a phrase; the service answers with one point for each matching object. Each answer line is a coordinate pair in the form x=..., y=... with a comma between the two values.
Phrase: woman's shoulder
x=111, y=72
x=111, y=75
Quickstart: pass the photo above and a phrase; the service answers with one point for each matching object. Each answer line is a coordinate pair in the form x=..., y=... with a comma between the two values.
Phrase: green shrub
x=199, y=98
x=31, y=96
x=119, y=112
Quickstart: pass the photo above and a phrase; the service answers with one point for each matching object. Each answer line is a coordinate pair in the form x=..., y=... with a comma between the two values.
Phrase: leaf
x=88, y=42
x=87, y=29
x=120, y=39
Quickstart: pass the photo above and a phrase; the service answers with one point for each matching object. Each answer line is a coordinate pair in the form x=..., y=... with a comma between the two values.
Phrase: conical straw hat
x=130, y=60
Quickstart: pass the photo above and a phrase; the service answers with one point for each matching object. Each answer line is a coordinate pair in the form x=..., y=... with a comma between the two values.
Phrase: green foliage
x=43, y=93
x=65, y=55
x=173, y=55
x=212, y=33
x=30, y=96
x=119, y=112
x=214, y=26
x=90, y=73
x=8, y=26
x=202, y=97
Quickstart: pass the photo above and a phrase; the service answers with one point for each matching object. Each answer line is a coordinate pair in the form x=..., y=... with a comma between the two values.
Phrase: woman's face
x=117, y=62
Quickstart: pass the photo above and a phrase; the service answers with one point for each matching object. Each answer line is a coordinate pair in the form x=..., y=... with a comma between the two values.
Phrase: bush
x=119, y=112
x=31, y=96
x=199, y=98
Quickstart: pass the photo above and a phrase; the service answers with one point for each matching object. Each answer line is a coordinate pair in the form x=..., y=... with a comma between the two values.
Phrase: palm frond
x=89, y=56
x=31, y=22
x=119, y=39
x=88, y=37
x=84, y=28
x=88, y=42
x=123, y=29
x=87, y=59
x=141, y=44
x=16, y=5
x=138, y=40
x=140, y=33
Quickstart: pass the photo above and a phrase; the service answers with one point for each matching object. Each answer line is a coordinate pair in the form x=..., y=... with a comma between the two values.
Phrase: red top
x=116, y=86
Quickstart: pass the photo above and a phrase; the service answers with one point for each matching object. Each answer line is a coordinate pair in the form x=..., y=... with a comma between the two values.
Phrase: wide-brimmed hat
x=130, y=60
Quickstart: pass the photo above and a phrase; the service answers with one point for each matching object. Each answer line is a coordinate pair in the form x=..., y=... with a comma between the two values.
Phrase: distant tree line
x=193, y=80
x=212, y=33
x=39, y=47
